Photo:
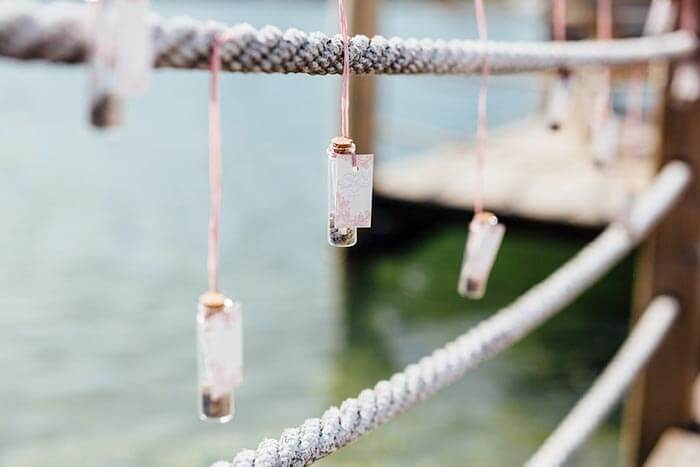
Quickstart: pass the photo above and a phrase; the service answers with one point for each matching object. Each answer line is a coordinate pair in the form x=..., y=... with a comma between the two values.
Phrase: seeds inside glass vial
x=215, y=407
x=345, y=236
x=106, y=110
x=340, y=237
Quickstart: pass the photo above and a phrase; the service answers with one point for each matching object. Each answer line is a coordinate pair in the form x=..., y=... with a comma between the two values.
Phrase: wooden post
x=363, y=20
x=669, y=263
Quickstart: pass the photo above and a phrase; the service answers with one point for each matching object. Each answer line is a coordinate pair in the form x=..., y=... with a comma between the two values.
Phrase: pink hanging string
x=214, y=166
x=482, y=107
x=604, y=24
x=604, y=27
x=345, y=97
x=559, y=20
x=689, y=16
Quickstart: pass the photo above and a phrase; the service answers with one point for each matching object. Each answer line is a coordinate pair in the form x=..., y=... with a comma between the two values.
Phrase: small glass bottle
x=338, y=237
x=558, y=100
x=220, y=355
x=605, y=141
x=661, y=17
x=106, y=106
x=483, y=243
x=685, y=84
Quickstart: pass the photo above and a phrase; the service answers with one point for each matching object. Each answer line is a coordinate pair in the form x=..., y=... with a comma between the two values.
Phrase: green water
x=403, y=304
x=102, y=257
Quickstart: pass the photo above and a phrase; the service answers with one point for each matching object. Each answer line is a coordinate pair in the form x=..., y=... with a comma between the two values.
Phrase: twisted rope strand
x=607, y=389
x=54, y=32
x=337, y=427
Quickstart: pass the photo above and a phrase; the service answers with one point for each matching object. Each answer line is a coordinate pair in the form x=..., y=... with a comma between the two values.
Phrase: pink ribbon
x=604, y=27
x=345, y=97
x=482, y=107
x=689, y=16
x=214, y=167
x=559, y=20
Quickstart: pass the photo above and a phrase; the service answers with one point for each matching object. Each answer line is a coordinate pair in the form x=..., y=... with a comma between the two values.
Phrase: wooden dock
x=537, y=174
x=531, y=172
x=677, y=448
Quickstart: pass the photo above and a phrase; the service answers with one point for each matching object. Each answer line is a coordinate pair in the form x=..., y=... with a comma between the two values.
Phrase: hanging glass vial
x=483, y=242
x=338, y=236
x=661, y=17
x=220, y=355
x=557, y=106
x=558, y=99
x=605, y=140
x=685, y=84
x=106, y=107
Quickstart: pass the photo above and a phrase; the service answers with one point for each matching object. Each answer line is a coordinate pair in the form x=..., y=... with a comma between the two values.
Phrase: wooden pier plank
x=696, y=402
x=677, y=448
x=669, y=263
x=531, y=172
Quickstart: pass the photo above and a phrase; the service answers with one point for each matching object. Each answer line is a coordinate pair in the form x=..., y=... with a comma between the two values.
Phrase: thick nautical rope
x=319, y=437
x=608, y=388
x=55, y=32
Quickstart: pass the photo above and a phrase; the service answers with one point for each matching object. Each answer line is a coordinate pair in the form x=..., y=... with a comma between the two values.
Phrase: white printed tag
x=134, y=48
x=353, y=195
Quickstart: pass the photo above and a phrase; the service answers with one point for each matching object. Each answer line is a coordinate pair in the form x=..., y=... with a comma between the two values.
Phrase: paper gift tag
x=353, y=194
x=134, y=49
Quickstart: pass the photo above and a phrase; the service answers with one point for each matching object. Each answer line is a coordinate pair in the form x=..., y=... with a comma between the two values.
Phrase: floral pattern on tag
x=353, y=194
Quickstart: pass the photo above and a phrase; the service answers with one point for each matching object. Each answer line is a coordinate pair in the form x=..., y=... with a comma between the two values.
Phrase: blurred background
x=103, y=256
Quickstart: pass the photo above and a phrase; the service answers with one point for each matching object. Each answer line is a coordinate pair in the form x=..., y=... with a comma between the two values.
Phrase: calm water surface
x=102, y=257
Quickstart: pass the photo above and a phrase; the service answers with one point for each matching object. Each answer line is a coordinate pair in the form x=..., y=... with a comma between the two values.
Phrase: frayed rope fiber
x=56, y=32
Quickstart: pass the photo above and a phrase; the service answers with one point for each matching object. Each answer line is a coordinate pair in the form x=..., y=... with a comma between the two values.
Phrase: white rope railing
x=319, y=437
x=55, y=32
x=608, y=388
